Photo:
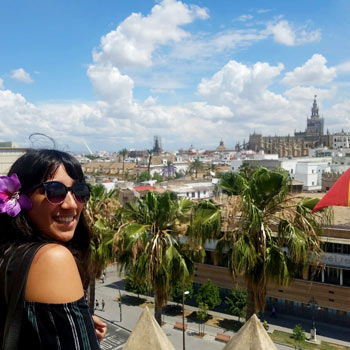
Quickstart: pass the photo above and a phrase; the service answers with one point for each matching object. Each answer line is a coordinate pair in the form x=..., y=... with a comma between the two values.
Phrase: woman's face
x=57, y=221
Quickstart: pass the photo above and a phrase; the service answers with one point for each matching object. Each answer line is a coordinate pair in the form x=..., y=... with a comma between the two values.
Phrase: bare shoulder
x=53, y=276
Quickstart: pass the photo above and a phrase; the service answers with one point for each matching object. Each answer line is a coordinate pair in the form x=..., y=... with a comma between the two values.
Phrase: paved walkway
x=127, y=318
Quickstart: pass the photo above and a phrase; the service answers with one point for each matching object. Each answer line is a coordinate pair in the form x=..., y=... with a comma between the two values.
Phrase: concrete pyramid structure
x=148, y=335
x=252, y=336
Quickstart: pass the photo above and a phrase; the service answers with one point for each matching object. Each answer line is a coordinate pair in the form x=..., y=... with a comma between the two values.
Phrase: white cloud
x=343, y=67
x=339, y=116
x=136, y=38
x=1, y=83
x=304, y=37
x=236, y=83
x=236, y=100
x=21, y=75
x=303, y=94
x=284, y=33
x=313, y=72
x=109, y=84
x=244, y=18
x=201, y=47
x=229, y=104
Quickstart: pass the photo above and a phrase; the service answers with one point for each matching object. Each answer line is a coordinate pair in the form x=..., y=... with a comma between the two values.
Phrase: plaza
x=121, y=323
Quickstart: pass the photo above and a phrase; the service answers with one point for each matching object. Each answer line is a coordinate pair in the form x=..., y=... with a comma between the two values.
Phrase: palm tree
x=212, y=169
x=147, y=243
x=100, y=212
x=150, y=155
x=123, y=152
x=196, y=166
x=270, y=236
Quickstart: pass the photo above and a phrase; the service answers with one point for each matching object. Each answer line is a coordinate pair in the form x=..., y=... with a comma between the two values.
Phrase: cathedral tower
x=314, y=123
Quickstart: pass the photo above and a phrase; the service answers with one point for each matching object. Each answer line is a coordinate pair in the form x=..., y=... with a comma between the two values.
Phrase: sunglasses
x=56, y=192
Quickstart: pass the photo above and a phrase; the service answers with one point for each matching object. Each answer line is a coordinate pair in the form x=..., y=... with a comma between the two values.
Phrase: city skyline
x=113, y=75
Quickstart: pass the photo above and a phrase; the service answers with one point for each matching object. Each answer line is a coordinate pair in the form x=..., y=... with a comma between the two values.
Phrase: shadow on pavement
x=132, y=301
x=117, y=285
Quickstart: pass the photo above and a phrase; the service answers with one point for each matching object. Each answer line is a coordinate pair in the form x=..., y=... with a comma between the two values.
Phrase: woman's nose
x=69, y=201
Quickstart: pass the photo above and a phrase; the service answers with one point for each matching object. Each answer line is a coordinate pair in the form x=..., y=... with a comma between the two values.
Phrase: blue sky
x=115, y=73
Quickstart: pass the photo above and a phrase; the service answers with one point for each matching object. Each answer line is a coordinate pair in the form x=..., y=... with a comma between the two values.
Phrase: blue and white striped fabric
x=58, y=326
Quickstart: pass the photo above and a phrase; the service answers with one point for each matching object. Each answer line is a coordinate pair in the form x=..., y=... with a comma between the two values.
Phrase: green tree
x=298, y=335
x=236, y=302
x=144, y=176
x=176, y=291
x=100, y=212
x=205, y=224
x=196, y=166
x=246, y=169
x=208, y=294
x=135, y=285
x=147, y=241
x=270, y=236
x=212, y=169
x=158, y=177
x=123, y=153
x=202, y=315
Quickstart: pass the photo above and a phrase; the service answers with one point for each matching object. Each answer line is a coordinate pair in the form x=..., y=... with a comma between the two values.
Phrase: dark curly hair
x=33, y=168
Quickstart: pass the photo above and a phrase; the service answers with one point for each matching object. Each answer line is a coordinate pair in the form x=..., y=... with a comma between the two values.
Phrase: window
x=193, y=194
x=297, y=304
x=346, y=278
x=332, y=275
x=332, y=311
x=346, y=249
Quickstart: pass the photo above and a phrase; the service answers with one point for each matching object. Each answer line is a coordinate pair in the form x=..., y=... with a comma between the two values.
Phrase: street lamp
x=120, y=305
x=313, y=304
x=184, y=292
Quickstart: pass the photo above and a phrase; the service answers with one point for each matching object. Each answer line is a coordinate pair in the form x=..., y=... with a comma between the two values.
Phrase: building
x=341, y=140
x=8, y=155
x=194, y=190
x=329, y=286
x=307, y=170
x=297, y=145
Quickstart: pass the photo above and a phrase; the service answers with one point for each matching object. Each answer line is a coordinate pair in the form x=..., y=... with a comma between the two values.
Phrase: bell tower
x=315, y=124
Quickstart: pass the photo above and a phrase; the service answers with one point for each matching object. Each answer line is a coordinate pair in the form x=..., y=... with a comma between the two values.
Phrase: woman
x=41, y=202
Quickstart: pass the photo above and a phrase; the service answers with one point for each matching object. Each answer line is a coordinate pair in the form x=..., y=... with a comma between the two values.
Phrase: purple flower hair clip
x=11, y=202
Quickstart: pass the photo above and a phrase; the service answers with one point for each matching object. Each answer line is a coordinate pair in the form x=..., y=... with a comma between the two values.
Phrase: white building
x=194, y=190
x=307, y=170
x=245, y=156
x=341, y=140
x=8, y=155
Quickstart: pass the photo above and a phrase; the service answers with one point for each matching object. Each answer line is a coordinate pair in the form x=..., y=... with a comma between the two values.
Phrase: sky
x=112, y=74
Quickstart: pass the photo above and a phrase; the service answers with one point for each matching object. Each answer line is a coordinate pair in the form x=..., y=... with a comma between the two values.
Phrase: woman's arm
x=54, y=279
x=53, y=276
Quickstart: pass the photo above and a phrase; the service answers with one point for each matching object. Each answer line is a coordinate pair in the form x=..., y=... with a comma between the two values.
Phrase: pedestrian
x=44, y=250
x=102, y=279
x=97, y=305
x=273, y=312
x=103, y=305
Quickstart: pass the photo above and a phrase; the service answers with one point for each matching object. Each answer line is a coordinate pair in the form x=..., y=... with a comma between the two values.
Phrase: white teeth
x=64, y=218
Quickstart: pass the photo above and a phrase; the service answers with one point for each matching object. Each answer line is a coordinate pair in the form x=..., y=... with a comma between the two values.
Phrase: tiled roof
x=144, y=188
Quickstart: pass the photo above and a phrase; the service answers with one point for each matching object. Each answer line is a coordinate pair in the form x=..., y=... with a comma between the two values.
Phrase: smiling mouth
x=64, y=219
